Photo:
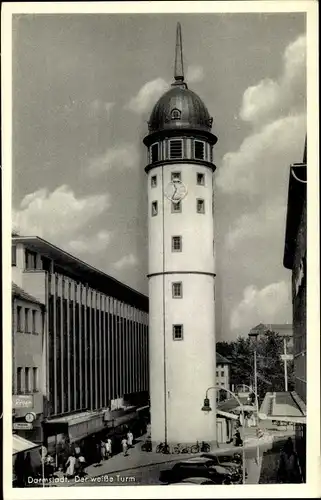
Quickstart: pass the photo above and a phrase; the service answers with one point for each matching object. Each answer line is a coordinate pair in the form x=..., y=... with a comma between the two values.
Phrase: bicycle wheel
x=195, y=448
x=185, y=450
x=159, y=448
x=206, y=447
x=176, y=449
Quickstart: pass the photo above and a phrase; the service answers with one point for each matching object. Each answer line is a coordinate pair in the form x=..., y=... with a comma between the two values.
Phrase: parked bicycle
x=181, y=449
x=163, y=448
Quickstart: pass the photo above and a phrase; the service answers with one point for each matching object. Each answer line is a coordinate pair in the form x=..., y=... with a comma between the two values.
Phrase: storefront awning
x=227, y=415
x=20, y=444
x=283, y=407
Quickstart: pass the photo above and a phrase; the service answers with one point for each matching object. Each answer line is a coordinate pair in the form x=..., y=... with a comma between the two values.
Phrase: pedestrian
x=289, y=469
x=124, y=446
x=70, y=464
x=130, y=439
x=108, y=448
x=102, y=449
x=77, y=450
x=82, y=463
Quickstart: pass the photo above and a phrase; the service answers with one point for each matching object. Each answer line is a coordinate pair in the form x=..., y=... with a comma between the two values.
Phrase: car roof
x=196, y=460
x=196, y=480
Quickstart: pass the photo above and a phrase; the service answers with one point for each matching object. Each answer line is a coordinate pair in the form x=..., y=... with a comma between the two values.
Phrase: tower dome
x=179, y=110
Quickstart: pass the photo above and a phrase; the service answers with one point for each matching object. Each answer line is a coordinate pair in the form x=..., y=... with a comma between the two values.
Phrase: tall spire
x=179, y=68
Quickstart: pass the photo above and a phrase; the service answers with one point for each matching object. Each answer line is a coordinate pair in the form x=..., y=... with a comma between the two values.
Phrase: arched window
x=175, y=114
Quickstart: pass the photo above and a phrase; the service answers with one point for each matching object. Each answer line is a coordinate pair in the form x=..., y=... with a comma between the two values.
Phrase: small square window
x=200, y=178
x=216, y=373
x=200, y=206
x=177, y=290
x=178, y=332
x=176, y=244
x=154, y=208
x=176, y=148
x=199, y=148
x=153, y=181
x=176, y=176
x=176, y=207
x=154, y=153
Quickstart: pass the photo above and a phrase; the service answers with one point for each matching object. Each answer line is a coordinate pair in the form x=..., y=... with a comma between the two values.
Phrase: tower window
x=200, y=206
x=178, y=332
x=176, y=176
x=13, y=255
x=200, y=179
x=176, y=148
x=176, y=207
x=153, y=181
x=176, y=243
x=177, y=290
x=211, y=154
x=155, y=152
x=154, y=208
x=199, y=150
x=175, y=114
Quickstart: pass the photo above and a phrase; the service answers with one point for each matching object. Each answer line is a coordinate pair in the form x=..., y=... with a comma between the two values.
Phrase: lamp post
x=254, y=335
x=206, y=407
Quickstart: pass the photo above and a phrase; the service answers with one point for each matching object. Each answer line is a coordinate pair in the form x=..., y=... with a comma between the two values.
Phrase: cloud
x=147, y=96
x=270, y=98
x=123, y=156
x=263, y=156
x=62, y=218
x=91, y=244
x=96, y=107
x=126, y=262
x=195, y=74
x=268, y=305
x=264, y=224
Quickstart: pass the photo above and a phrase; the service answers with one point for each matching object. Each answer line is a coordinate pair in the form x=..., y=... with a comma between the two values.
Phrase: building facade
x=94, y=335
x=223, y=374
x=181, y=263
x=295, y=255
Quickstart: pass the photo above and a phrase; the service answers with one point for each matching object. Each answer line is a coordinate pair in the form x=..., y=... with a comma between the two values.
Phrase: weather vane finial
x=179, y=68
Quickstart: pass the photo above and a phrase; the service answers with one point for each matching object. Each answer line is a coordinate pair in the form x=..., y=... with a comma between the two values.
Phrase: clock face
x=29, y=417
x=175, y=191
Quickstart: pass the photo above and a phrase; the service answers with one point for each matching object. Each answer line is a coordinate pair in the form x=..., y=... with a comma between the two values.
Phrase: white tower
x=181, y=264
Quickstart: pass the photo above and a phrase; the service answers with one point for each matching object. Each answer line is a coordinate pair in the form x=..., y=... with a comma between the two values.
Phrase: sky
x=83, y=89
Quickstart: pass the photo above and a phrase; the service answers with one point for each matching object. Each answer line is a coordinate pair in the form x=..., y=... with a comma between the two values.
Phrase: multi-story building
x=90, y=347
x=223, y=373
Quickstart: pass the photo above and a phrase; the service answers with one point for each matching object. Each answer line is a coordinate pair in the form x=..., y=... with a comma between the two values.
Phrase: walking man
x=130, y=439
x=108, y=448
x=124, y=446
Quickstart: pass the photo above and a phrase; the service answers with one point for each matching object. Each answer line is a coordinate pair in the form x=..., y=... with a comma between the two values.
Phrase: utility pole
x=285, y=366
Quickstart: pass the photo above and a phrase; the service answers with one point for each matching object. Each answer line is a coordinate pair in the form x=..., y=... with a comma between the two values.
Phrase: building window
x=13, y=255
x=27, y=380
x=211, y=154
x=177, y=290
x=176, y=176
x=199, y=149
x=200, y=179
x=176, y=243
x=176, y=207
x=200, y=206
x=35, y=379
x=154, y=208
x=45, y=264
x=222, y=383
x=155, y=152
x=27, y=330
x=176, y=148
x=34, y=325
x=178, y=332
x=19, y=322
x=153, y=181
x=30, y=260
x=222, y=374
x=19, y=380
x=216, y=373
x=175, y=114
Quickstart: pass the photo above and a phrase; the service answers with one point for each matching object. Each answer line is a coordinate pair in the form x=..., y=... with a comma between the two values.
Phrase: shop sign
x=22, y=401
x=22, y=426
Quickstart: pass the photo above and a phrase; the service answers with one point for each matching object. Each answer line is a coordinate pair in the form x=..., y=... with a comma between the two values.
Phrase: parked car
x=197, y=467
x=196, y=480
x=224, y=460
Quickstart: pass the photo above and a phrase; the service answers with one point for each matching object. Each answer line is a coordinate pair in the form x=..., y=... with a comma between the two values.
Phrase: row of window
x=175, y=149
x=27, y=320
x=177, y=207
x=31, y=262
x=222, y=373
x=27, y=380
x=177, y=176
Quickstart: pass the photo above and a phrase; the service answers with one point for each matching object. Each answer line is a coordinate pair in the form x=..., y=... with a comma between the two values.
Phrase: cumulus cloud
x=147, y=96
x=195, y=74
x=268, y=305
x=62, y=218
x=264, y=223
x=270, y=98
x=125, y=156
x=91, y=244
x=126, y=262
x=262, y=156
x=97, y=106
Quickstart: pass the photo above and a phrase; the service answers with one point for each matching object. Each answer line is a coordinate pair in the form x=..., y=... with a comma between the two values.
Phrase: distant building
x=80, y=341
x=223, y=374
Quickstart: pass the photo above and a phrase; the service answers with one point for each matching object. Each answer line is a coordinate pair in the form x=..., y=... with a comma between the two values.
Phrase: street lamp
x=207, y=408
x=254, y=334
